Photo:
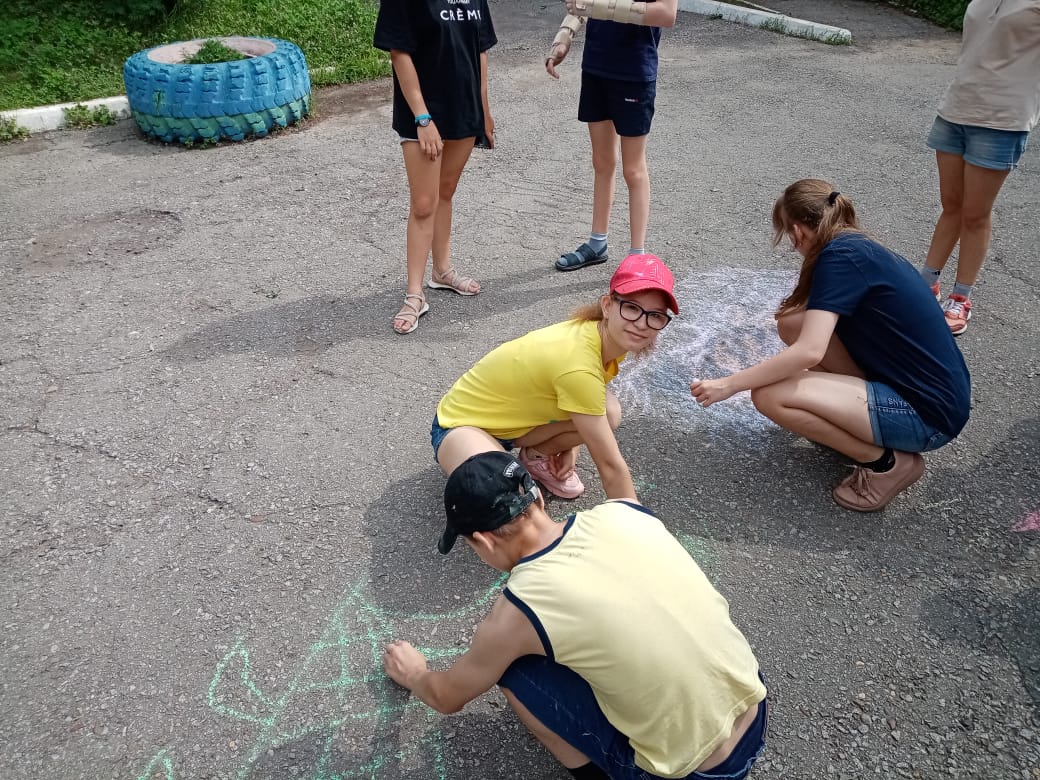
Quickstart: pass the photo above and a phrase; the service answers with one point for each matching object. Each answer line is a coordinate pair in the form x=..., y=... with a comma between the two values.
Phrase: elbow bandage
x=568, y=29
x=624, y=11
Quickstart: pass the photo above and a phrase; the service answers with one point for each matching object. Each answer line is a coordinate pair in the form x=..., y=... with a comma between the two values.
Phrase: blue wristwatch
x=423, y=120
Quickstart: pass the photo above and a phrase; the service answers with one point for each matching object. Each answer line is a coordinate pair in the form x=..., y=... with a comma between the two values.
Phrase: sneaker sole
x=912, y=477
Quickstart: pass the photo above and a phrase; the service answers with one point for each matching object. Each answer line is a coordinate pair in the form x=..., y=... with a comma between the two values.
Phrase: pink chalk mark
x=1030, y=522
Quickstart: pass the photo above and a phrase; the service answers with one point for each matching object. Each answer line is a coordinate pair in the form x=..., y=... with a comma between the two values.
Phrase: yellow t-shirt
x=619, y=601
x=543, y=377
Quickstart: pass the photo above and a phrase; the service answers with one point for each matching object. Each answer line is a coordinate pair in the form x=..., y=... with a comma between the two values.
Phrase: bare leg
x=951, y=193
x=567, y=755
x=981, y=186
x=633, y=166
x=836, y=360
x=423, y=185
x=604, y=167
x=453, y=160
x=827, y=408
x=462, y=443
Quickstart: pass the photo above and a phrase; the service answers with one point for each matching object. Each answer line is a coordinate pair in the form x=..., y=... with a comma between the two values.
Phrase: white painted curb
x=788, y=25
x=41, y=118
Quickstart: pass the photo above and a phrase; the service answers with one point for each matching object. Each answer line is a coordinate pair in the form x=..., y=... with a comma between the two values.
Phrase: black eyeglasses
x=632, y=312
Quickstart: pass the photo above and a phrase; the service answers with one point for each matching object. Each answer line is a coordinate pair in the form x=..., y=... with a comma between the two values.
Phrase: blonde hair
x=589, y=312
x=815, y=204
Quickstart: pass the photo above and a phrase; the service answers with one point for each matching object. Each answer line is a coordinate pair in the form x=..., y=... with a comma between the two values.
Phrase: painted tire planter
x=174, y=101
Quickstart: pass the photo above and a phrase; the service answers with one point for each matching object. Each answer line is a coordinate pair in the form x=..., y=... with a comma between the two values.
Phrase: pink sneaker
x=958, y=311
x=936, y=293
x=538, y=467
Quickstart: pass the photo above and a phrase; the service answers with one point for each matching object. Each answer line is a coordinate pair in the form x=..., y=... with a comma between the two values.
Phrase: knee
x=766, y=399
x=951, y=204
x=613, y=412
x=424, y=208
x=975, y=222
x=636, y=176
x=604, y=164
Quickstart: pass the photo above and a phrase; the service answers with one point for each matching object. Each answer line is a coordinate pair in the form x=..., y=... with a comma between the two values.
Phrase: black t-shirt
x=890, y=324
x=445, y=39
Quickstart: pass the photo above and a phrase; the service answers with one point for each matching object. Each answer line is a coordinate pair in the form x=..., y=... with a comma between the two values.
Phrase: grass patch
x=11, y=130
x=84, y=116
x=65, y=51
x=214, y=51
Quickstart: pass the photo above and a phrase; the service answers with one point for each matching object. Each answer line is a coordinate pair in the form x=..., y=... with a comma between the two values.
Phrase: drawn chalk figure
x=338, y=699
x=730, y=327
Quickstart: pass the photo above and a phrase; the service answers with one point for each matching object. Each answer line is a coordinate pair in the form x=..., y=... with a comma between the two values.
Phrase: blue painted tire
x=173, y=101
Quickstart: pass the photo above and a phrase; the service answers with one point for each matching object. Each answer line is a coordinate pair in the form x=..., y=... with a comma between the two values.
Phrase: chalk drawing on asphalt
x=726, y=325
x=1030, y=522
x=339, y=687
x=339, y=701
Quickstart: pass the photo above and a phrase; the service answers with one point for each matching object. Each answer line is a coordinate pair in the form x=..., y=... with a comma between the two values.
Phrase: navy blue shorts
x=437, y=434
x=565, y=704
x=628, y=104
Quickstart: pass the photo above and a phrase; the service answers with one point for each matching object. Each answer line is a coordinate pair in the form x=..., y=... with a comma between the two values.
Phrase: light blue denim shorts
x=998, y=150
x=896, y=424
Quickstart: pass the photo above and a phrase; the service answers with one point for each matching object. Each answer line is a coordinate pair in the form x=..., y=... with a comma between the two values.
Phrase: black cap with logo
x=484, y=493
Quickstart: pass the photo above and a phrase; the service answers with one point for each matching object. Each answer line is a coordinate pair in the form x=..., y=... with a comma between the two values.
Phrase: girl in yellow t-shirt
x=546, y=392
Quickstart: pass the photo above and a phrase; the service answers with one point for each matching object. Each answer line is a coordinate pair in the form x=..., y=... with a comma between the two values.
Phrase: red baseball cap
x=644, y=272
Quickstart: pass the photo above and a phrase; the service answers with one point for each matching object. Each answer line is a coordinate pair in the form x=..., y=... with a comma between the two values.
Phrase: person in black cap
x=608, y=641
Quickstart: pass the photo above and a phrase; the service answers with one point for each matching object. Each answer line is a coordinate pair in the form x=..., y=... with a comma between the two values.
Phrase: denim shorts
x=565, y=704
x=628, y=104
x=998, y=150
x=896, y=424
x=437, y=434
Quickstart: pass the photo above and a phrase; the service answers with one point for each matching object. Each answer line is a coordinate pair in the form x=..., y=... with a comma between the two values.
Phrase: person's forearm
x=782, y=365
x=484, y=82
x=617, y=480
x=568, y=29
x=426, y=689
x=659, y=14
x=408, y=78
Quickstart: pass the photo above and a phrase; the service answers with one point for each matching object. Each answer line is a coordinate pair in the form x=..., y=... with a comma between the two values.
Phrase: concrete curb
x=42, y=118
x=799, y=28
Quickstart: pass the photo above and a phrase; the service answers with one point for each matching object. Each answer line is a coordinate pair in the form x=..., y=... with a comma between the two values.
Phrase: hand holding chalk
x=403, y=663
x=708, y=391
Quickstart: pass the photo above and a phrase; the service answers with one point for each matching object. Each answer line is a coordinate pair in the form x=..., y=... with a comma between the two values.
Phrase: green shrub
x=84, y=116
x=948, y=13
x=214, y=51
x=65, y=51
x=11, y=130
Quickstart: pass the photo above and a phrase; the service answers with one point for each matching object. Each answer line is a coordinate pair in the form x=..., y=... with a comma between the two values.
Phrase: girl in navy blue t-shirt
x=618, y=89
x=871, y=369
x=438, y=49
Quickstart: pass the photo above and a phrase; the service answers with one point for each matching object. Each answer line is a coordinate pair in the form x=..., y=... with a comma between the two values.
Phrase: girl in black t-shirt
x=438, y=49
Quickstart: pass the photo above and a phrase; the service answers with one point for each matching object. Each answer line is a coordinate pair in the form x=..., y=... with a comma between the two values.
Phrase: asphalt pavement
x=218, y=493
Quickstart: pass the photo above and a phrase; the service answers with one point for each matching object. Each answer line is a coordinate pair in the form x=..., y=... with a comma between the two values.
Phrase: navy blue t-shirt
x=890, y=324
x=445, y=39
x=627, y=52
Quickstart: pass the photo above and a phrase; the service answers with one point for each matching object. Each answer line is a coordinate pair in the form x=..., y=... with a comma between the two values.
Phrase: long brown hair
x=815, y=204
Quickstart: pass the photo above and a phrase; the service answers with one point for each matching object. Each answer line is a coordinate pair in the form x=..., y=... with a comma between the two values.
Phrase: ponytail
x=817, y=205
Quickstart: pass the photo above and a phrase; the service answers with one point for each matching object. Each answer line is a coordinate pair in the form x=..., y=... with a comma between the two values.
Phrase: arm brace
x=568, y=29
x=624, y=11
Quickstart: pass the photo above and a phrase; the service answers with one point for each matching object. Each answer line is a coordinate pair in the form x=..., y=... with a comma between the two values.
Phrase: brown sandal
x=454, y=281
x=410, y=313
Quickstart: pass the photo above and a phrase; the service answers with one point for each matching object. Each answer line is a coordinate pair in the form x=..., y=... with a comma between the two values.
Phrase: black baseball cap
x=484, y=493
